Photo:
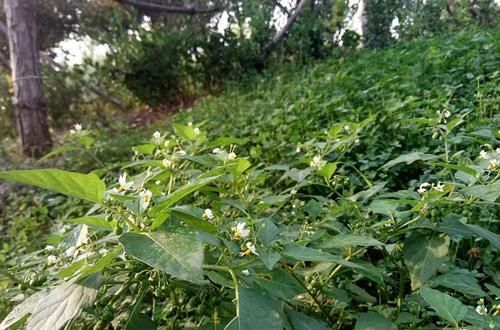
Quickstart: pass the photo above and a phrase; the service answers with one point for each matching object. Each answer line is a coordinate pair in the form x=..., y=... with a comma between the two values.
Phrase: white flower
x=49, y=248
x=157, y=136
x=446, y=114
x=316, y=162
x=297, y=150
x=122, y=181
x=167, y=163
x=293, y=192
x=52, y=259
x=157, y=182
x=166, y=143
x=483, y=155
x=249, y=250
x=196, y=131
x=347, y=128
x=481, y=310
x=493, y=165
x=217, y=151
x=145, y=196
x=78, y=127
x=240, y=231
x=245, y=272
x=208, y=214
x=423, y=187
x=438, y=187
x=497, y=150
x=231, y=156
x=190, y=124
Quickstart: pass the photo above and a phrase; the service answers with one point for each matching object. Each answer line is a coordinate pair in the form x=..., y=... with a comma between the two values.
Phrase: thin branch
x=187, y=10
x=278, y=37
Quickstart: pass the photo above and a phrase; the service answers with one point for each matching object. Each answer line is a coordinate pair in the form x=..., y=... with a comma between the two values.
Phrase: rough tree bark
x=28, y=98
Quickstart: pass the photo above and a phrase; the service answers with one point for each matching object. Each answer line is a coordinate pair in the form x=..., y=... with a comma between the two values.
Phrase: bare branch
x=187, y=10
x=278, y=37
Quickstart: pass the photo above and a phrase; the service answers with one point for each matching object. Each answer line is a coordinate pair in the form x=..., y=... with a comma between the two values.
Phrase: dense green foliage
x=358, y=192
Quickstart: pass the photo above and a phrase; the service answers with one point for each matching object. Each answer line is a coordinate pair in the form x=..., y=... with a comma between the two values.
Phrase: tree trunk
x=28, y=98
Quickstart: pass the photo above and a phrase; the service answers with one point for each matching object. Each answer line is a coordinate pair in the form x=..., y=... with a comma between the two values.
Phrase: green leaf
x=256, y=311
x=193, y=216
x=63, y=303
x=447, y=307
x=177, y=196
x=373, y=321
x=409, y=158
x=488, y=193
x=184, y=131
x=423, y=256
x=452, y=224
x=463, y=282
x=83, y=186
x=93, y=221
x=177, y=254
x=328, y=170
x=182, y=192
x=349, y=240
x=267, y=232
x=301, y=321
x=279, y=284
x=145, y=149
x=101, y=263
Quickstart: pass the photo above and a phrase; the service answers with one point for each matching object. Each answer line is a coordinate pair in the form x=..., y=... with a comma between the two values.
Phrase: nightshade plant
x=383, y=219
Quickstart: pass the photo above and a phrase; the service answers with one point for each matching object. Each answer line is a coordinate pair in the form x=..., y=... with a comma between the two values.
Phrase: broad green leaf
x=178, y=254
x=447, y=307
x=63, y=303
x=72, y=269
x=93, y=221
x=423, y=256
x=22, y=309
x=83, y=186
x=409, y=158
x=370, y=192
x=185, y=131
x=488, y=193
x=373, y=321
x=463, y=282
x=267, y=232
x=301, y=321
x=256, y=311
x=270, y=259
x=302, y=253
x=328, y=170
x=348, y=240
x=494, y=290
x=298, y=175
x=193, y=216
x=279, y=284
x=452, y=224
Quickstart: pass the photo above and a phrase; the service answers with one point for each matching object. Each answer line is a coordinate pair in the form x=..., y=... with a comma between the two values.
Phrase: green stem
x=126, y=219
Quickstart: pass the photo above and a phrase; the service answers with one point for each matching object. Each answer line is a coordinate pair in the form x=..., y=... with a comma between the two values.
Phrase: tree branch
x=278, y=37
x=187, y=10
